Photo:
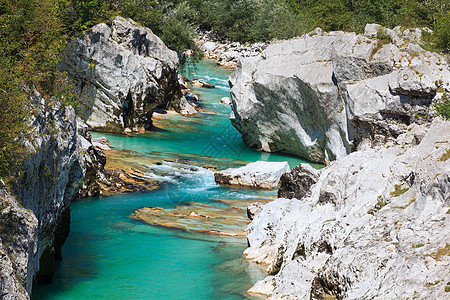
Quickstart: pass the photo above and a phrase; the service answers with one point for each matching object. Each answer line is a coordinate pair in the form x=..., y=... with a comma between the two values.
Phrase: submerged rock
x=375, y=225
x=322, y=95
x=258, y=174
x=121, y=74
x=202, y=84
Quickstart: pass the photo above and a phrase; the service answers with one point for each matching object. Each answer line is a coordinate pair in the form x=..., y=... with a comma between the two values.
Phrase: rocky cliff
x=17, y=247
x=322, y=95
x=373, y=225
x=121, y=74
x=35, y=223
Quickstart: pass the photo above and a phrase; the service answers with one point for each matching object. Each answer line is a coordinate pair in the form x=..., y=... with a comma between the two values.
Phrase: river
x=108, y=255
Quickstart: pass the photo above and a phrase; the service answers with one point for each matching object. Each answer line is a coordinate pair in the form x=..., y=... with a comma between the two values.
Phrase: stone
x=186, y=107
x=101, y=146
x=374, y=225
x=101, y=140
x=322, y=96
x=35, y=223
x=258, y=174
x=224, y=51
x=121, y=74
x=17, y=229
x=225, y=100
x=202, y=84
x=254, y=209
x=210, y=46
x=297, y=182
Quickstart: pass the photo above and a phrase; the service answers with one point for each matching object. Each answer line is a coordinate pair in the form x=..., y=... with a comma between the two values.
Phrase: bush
x=443, y=107
x=442, y=31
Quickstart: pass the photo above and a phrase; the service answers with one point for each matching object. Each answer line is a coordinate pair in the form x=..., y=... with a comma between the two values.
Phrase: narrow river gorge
x=110, y=255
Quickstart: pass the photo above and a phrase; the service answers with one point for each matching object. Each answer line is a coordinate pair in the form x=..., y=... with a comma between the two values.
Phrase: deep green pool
x=110, y=256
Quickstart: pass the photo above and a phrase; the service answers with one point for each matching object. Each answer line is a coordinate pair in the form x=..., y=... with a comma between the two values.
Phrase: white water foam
x=185, y=176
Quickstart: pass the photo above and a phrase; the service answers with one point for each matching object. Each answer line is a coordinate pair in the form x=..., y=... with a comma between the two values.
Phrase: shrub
x=442, y=107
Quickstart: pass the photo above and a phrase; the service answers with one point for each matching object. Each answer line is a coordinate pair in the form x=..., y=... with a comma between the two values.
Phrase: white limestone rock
x=320, y=96
x=17, y=246
x=225, y=100
x=121, y=74
x=259, y=174
x=375, y=226
x=35, y=224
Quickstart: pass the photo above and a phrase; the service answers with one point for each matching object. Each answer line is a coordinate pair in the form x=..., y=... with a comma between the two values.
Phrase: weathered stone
x=121, y=74
x=17, y=245
x=257, y=174
x=297, y=182
x=225, y=100
x=321, y=96
x=374, y=226
x=59, y=146
x=254, y=209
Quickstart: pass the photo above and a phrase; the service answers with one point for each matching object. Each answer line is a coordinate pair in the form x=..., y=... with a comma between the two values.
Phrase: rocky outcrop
x=121, y=74
x=374, y=226
x=35, y=223
x=59, y=146
x=259, y=174
x=17, y=246
x=322, y=95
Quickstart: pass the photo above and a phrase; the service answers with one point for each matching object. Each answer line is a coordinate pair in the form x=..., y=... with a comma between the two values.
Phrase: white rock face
x=17, y=246
x=322, y=95
x=257, y=174
x=35, y=224
x=374, y=226
x=122, y=73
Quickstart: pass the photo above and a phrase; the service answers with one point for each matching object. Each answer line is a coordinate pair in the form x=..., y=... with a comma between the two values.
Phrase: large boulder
x=259, y=174
x=374, y=226
x=121, y=74
x=322, y=95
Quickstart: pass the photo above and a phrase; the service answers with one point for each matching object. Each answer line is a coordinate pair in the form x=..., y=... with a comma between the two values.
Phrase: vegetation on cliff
x=31, y=38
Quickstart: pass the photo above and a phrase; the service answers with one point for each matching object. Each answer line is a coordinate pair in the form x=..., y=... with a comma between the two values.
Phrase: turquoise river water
x=110, y=256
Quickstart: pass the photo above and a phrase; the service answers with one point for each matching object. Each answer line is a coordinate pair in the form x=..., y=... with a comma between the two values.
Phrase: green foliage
x=13, y=114
x=250, y=20
x=177, y=32
x=442, y=30
x=442, y=107
x=445, y=156
x=353, y=15
x=80, y=15
x=398, y=190
x=32, y=38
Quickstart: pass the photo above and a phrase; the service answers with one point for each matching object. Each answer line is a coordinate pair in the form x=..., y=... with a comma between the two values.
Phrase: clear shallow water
x=110, y=256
